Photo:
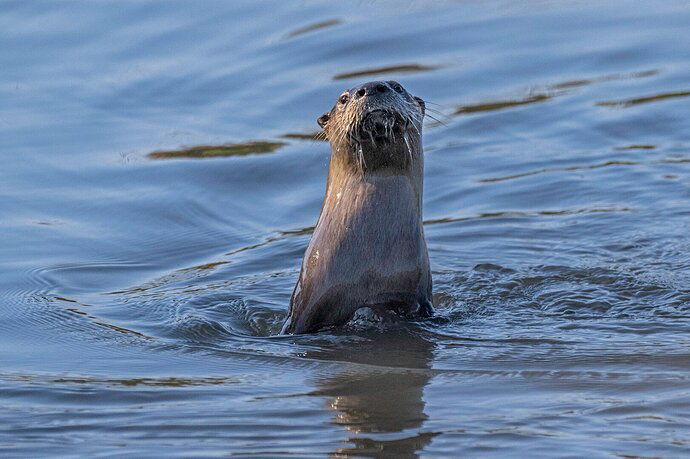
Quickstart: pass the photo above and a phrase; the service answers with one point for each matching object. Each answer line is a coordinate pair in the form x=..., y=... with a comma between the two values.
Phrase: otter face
x=376, y=116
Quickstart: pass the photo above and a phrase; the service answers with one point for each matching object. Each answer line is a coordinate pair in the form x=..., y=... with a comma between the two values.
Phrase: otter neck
x=402, y=157
x=349, y=165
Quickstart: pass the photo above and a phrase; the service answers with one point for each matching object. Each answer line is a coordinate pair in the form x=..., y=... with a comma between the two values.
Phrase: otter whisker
x=407, y=145
x=362, y=163
x=436, y=119
x=438, y=112
x=414, y=126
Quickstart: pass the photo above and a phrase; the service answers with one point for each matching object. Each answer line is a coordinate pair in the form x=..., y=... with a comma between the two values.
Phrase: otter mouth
x=381, y=126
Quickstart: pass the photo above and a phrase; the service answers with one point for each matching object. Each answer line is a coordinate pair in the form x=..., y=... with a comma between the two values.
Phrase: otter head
x=376, y=125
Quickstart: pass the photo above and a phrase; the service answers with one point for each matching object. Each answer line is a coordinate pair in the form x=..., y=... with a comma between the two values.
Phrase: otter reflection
x=380, y=390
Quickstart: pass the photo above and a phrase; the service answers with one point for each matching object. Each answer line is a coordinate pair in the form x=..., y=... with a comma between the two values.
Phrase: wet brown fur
x=368, y=248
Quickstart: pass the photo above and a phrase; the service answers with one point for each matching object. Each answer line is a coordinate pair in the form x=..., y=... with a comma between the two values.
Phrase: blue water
x=143, y=281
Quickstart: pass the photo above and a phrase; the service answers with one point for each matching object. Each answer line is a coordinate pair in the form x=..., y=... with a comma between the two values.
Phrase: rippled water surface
x=159, y=183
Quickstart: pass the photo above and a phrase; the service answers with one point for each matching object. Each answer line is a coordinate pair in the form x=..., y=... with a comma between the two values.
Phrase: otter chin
x=368, y=248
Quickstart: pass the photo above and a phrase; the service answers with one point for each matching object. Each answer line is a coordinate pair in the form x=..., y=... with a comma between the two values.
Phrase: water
x=142, y=281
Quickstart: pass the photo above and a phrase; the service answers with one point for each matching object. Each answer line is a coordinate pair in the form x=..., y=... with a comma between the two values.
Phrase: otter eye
x=343, y=98
x=398, y=88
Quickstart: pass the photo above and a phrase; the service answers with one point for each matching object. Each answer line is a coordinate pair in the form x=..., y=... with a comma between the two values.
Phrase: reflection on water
x=560, y=89
x=154, y=382
x=370, y=399
x=217, y=151
x=603, y=79
x=643, y=100
x=562, y=169
x=142, y=293
x=313, y=27
x=396, y=69
x=517, y=214
x=499, y=105
x=636, y=147
x=317, y=136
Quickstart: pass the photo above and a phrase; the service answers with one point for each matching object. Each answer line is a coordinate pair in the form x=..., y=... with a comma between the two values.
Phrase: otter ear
x=421, y=103
x=323, y=119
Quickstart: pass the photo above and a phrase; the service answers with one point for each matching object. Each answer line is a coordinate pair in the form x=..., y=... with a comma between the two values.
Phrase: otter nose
x=371, y=88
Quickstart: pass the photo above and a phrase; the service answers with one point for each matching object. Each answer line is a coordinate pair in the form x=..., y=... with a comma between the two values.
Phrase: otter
x=368, y=248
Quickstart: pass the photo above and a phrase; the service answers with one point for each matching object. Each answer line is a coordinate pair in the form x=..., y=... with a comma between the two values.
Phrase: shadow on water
x=372, y=401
